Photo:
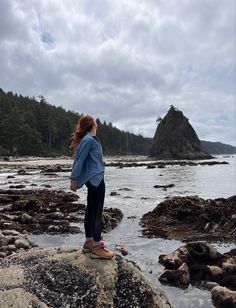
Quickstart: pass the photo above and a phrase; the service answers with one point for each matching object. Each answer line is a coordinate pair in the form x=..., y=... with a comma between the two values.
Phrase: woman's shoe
x=88, y=246
x=100, y=252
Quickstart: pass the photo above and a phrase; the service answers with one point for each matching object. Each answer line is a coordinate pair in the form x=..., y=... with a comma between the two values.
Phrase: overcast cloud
x=126, y=61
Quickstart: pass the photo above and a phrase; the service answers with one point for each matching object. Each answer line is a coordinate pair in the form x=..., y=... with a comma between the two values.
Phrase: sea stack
x=175, y=138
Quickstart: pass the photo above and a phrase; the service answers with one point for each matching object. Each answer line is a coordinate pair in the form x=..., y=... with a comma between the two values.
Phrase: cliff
x=175, y=138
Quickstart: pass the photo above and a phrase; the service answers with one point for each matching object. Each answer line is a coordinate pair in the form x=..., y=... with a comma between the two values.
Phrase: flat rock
x=65, y=277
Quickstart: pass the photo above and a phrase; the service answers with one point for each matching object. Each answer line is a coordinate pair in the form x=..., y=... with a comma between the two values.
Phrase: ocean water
x=205, y=181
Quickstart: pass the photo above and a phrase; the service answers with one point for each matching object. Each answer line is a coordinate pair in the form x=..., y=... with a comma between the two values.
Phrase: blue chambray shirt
x=88, y=162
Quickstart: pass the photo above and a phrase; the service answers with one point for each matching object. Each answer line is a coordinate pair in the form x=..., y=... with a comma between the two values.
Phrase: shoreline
x=115, y=161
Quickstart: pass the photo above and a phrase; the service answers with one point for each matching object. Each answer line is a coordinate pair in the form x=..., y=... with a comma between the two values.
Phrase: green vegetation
x=29, y=127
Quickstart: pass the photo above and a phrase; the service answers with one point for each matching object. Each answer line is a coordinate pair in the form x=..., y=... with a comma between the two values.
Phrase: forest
x=30, y=127
x=37, y=128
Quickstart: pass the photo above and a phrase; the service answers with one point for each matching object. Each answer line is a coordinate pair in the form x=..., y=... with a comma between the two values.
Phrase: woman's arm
x=80, y=156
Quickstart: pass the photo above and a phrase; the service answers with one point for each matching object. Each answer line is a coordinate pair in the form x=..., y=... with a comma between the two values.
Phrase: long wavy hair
x=84, y=125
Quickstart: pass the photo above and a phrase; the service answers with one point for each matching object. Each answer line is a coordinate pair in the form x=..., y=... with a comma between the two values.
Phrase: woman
x=88, y=169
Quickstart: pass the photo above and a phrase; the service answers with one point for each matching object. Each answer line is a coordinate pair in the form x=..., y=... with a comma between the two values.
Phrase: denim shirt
x=88, y=162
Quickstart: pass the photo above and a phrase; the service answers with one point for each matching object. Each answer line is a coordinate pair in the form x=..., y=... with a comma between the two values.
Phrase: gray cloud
x=125, y=62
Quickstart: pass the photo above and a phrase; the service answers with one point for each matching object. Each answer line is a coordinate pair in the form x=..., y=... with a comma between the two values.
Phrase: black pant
x=93, y=215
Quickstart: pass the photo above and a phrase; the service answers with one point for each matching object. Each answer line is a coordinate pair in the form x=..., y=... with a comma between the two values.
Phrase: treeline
x=31, y=127
x=218, y=147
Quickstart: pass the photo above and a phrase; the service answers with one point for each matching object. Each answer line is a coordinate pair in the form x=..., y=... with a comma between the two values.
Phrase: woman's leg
x=93, y=215
x=97, y=226
x=93, y=221
x=90, y=213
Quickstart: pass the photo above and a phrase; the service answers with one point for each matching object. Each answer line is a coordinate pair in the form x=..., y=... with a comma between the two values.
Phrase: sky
x=126, y=62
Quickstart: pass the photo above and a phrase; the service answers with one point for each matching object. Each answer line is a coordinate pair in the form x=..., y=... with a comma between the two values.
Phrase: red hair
x=84, y=125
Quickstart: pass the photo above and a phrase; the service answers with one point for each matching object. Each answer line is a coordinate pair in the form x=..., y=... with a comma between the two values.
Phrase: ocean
x=138, y=198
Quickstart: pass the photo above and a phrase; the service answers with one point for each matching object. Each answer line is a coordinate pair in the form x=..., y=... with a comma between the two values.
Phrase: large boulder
x=175, y=138
x=65, y=277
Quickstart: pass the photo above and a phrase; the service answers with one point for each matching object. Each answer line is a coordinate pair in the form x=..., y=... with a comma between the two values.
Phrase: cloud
x=125, y=62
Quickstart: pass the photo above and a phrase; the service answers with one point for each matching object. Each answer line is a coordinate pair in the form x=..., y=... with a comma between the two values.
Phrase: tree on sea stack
x=175, y=138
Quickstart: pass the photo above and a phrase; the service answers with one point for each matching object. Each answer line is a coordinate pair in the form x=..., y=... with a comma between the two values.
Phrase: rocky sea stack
x=175, y=138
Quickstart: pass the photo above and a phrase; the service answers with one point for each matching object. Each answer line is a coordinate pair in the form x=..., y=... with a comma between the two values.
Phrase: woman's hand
x=73, y=185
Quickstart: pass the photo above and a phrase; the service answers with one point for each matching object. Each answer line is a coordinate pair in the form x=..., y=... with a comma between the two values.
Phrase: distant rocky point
x=175, y=138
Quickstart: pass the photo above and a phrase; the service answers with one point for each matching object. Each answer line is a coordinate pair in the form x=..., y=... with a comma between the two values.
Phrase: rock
x=20, y=186
x=55, y=216
x=175, y=218
x=207, y=267
x=200, y=272
x=11, y=247
x=114, y=193
x=3, y=241
x=53, y=228
x=179, y=277
x=223, y=297
x=164, y=186
x=163, y=164
x=22, y=243
x=210, y=285
x=175, y=138
x=25, y=219
x=39, y=211
x=4, y=248
x=229, y=266
x=2, y=255
x=70, y=197
x=19, y=298
x=216, y=272
x=111, y=218
x=10, y=232
x=52, y=169
x=65, y=277
x=176, y=258
x=123, y=251
x=203, y=250
x=151, y=167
